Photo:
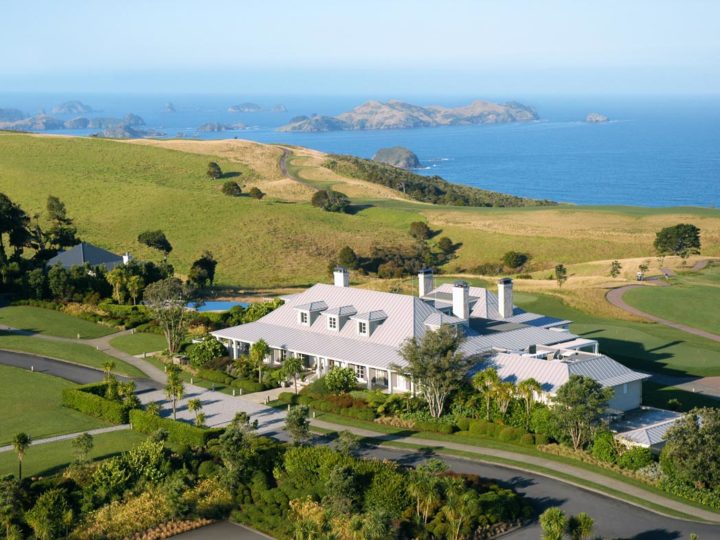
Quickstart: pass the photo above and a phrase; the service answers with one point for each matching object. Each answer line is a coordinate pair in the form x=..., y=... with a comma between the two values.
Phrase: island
x=11, y=115
x=596, y=118
x=44, y=122
x=127, y=132
x=72, y=107
x=395, y=114
x=245, y=108
x=169, y=108
x=397, y=156
x=279, y=108
x=216, y=126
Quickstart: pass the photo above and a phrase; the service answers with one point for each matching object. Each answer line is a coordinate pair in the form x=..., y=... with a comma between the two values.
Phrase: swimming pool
x=216, y=305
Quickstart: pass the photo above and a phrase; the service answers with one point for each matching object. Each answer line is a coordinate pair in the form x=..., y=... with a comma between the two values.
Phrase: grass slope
x=50, y=322
x=114, y=190
x=692, y=299
x=139, y=343
x=71, y=352
x=41, y=415
x=51, y=458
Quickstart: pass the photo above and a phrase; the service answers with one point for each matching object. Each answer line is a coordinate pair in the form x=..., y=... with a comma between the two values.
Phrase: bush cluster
x=504, y=433
x=179, y=433
x=88, y=400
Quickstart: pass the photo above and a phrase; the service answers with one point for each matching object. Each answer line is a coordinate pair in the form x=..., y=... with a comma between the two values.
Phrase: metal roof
x=85, y=253
x=342, y=311
x=436, y=320
x=370, y=316
x=312, y=306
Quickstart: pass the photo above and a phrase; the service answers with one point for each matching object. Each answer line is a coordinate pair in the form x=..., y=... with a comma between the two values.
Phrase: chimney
x=342, y=276
x=127, y=258
x=425, y=282
x=505, y=298
x=461, y=300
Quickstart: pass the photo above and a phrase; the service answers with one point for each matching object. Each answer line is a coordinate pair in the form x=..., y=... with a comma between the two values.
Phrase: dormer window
x=332, y=323
x=307, y=313
x=362, y=328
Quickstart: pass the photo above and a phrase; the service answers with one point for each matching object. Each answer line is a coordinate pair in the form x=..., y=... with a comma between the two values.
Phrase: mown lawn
x=693, y=299
x=51, y=458
x=71, y=352
x=139, y=343
x=643, y=346
x=31, y=402
x=51, y=322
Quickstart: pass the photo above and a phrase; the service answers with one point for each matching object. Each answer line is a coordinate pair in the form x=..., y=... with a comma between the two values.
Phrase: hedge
x=179, y=433
x=215, y=376
x=434, y=426
x=247, y=386
x=291, y=398
x=87, y=399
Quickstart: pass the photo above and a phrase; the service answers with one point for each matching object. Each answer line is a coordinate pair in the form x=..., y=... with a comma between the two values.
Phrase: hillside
x=395, y=114
x=114, y=190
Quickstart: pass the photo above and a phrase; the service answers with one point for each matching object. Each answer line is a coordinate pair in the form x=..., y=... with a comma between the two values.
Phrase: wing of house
x=85, y=253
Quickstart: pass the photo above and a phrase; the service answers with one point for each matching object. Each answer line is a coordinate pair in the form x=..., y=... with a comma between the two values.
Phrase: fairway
x=139, y=343
x=51, y=458
x=643, y=346
x=693, y=299
x=71, y=352
x=50, y=322
x=31, y=402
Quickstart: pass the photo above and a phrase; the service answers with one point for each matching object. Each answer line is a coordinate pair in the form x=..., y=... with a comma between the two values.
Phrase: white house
x=338, y=325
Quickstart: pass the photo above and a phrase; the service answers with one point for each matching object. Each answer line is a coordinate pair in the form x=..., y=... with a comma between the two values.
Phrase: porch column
x=368, y=378
x=235, y=350
x=389, y=378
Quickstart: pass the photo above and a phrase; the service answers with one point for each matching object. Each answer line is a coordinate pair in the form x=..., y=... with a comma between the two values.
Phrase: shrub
x=636, y=458
x=528, y=439
x=434, y=426
x=515, y=259
x=318, y=387
x=86, y=400
x=247, y=386
x=463, y=424
x=604, y=448
x=288, y=397
x=479, y=427
x=207, y=468
x=203, y=353
x=179, y=433
x=340, y=380
x=330, y=201
x=232, y=189
x=541, y=438
x=215, y=376
x=509, y=434
x=255, y=193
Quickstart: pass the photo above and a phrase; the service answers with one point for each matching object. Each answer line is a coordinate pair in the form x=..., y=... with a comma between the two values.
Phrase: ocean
x=654, y=151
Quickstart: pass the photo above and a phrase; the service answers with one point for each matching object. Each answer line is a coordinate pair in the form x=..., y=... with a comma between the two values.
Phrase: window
x=303, y=317
x=332, y=323
x=283, y=354
x=625, y=388
x=362, y=327
x=360, y=372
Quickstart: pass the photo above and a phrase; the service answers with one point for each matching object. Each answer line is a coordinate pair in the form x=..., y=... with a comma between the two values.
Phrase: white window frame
x=363, y=328
x=361, y=372
x=304, y=318
x=332, y=322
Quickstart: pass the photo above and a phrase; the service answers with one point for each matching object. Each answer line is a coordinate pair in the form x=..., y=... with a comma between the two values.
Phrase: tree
x=20, y=443
x=255, y=193
x=554, y=523
x=341, y=380
x=108, y=368
x=51, y=516
x=581, y=526
x=204, y=352
x=515, y=259
x=10, y=504
x=195, y=406
x=134, y=287
x=346, y=442
x=425, y=487
x=232, y=189
x=643, y=267
x=62, y=233
x=682, y=239
x=330, y=201
x=485, y=382
x=560, y=274
x=117, y=277
x=615, y=268
x=436, y=364
x=258, y=352
x=446, y=245
x=153, y=408
x=692, y=452
x=420, y=230
x=202, y=271
x=14, y=228
x=578, y=406
x=174, y=387
x=341, y=491
x=213, y=171
x=36, y=283
x=504, y=394
x=461, y=504
x=82, y=446
x=166, y=301
x=347, y=257
x=239, y=451
x=293, y=367
x=156, y=240
x=59, y=283
x=527, y=390
x=297, y=424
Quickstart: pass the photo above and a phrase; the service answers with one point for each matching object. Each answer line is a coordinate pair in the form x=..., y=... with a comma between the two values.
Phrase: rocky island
x=596, y=118
x=216, y=126
x=395, y=114
x=169, y=107
x=72, y=107
x=279, y=108
x=397, y=156
x=11, y=115
x=245, y=108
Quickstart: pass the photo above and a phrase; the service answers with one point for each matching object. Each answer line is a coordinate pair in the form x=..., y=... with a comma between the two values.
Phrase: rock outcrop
x=397, y=156
x=596, y=118
x=245, y=108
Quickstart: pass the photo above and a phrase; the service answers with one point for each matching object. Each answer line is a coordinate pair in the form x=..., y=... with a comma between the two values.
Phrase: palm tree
x=174, y=388
x=134, y=286
x=107, y=368
x=485, y=381
x=292, y=367
x=504, y=393
x=195, y=406
x=259, y=350
x=20, y=443
x=581, y=526
x=460, y=505
x=527, y=390
x=554, y=523
x=117, y=278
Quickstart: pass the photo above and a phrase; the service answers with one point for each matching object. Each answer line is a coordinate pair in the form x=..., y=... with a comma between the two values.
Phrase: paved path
x=284, y=169
x=69, y=436
x=223, y=530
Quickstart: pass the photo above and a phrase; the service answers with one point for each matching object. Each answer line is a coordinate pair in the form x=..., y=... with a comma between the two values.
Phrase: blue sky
x=349, y=46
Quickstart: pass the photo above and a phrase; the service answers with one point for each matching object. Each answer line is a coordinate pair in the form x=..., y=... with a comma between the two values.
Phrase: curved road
x=614, y=518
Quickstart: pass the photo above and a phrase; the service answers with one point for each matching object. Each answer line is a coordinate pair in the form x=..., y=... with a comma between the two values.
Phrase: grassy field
x=51, y=322
x=639, y=345
x=51, y=458
x=114, y=190
x=31, y=402
x=693, y=299
x=139, y=343
x=77, y=353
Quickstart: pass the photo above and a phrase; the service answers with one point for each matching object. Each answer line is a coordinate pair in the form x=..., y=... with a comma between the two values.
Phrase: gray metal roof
x=312, y=306
x=648, y=436
x=85, y=253
x=370, y=316
x=436, y=320
x=342, y=311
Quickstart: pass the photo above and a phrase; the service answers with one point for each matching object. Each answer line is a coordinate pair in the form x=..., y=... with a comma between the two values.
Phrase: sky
x=351, y=46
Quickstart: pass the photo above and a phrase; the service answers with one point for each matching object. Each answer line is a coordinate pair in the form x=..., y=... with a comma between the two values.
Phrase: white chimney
x=342, y=276
x=505, y=298
x=461, y=300
x=425, y=282
x=127, y=258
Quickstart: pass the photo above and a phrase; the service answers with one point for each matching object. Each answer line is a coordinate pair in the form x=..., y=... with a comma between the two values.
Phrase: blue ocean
x=654, y=151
